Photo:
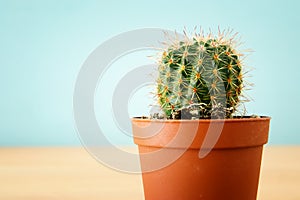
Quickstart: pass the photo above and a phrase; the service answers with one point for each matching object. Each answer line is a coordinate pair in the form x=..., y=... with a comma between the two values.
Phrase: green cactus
x=200, y=77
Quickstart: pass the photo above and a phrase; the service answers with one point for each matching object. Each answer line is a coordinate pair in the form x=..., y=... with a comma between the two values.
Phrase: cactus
x=200, y=77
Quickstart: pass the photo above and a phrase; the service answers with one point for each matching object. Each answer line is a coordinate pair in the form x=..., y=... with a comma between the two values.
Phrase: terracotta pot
x=228, y=166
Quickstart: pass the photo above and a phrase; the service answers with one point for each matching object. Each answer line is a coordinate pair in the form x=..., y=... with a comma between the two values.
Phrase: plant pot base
x=228, y=173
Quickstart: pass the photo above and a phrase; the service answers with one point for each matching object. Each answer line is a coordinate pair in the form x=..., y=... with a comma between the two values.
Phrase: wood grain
x=72, y=174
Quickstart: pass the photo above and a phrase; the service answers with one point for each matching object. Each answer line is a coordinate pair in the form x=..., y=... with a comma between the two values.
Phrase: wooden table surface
x=72, y=174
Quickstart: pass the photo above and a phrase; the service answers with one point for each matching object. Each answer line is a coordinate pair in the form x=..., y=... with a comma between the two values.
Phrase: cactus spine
x=200, y=77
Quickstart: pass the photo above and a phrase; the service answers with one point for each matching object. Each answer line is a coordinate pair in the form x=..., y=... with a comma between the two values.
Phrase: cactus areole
x=200, y=77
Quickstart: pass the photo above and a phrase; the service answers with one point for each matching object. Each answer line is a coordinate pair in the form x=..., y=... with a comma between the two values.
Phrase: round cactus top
x=200, y=77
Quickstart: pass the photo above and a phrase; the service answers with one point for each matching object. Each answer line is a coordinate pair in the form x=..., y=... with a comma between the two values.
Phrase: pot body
x=174, y=168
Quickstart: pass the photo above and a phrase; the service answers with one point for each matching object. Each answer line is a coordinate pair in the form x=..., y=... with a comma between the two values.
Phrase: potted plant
x=199, y=148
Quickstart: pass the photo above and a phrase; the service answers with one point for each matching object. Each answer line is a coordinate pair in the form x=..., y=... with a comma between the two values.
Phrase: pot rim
x=235, y=133
x=242, y=119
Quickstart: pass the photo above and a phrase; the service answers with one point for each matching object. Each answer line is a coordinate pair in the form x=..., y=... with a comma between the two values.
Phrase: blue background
x=44, y=43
